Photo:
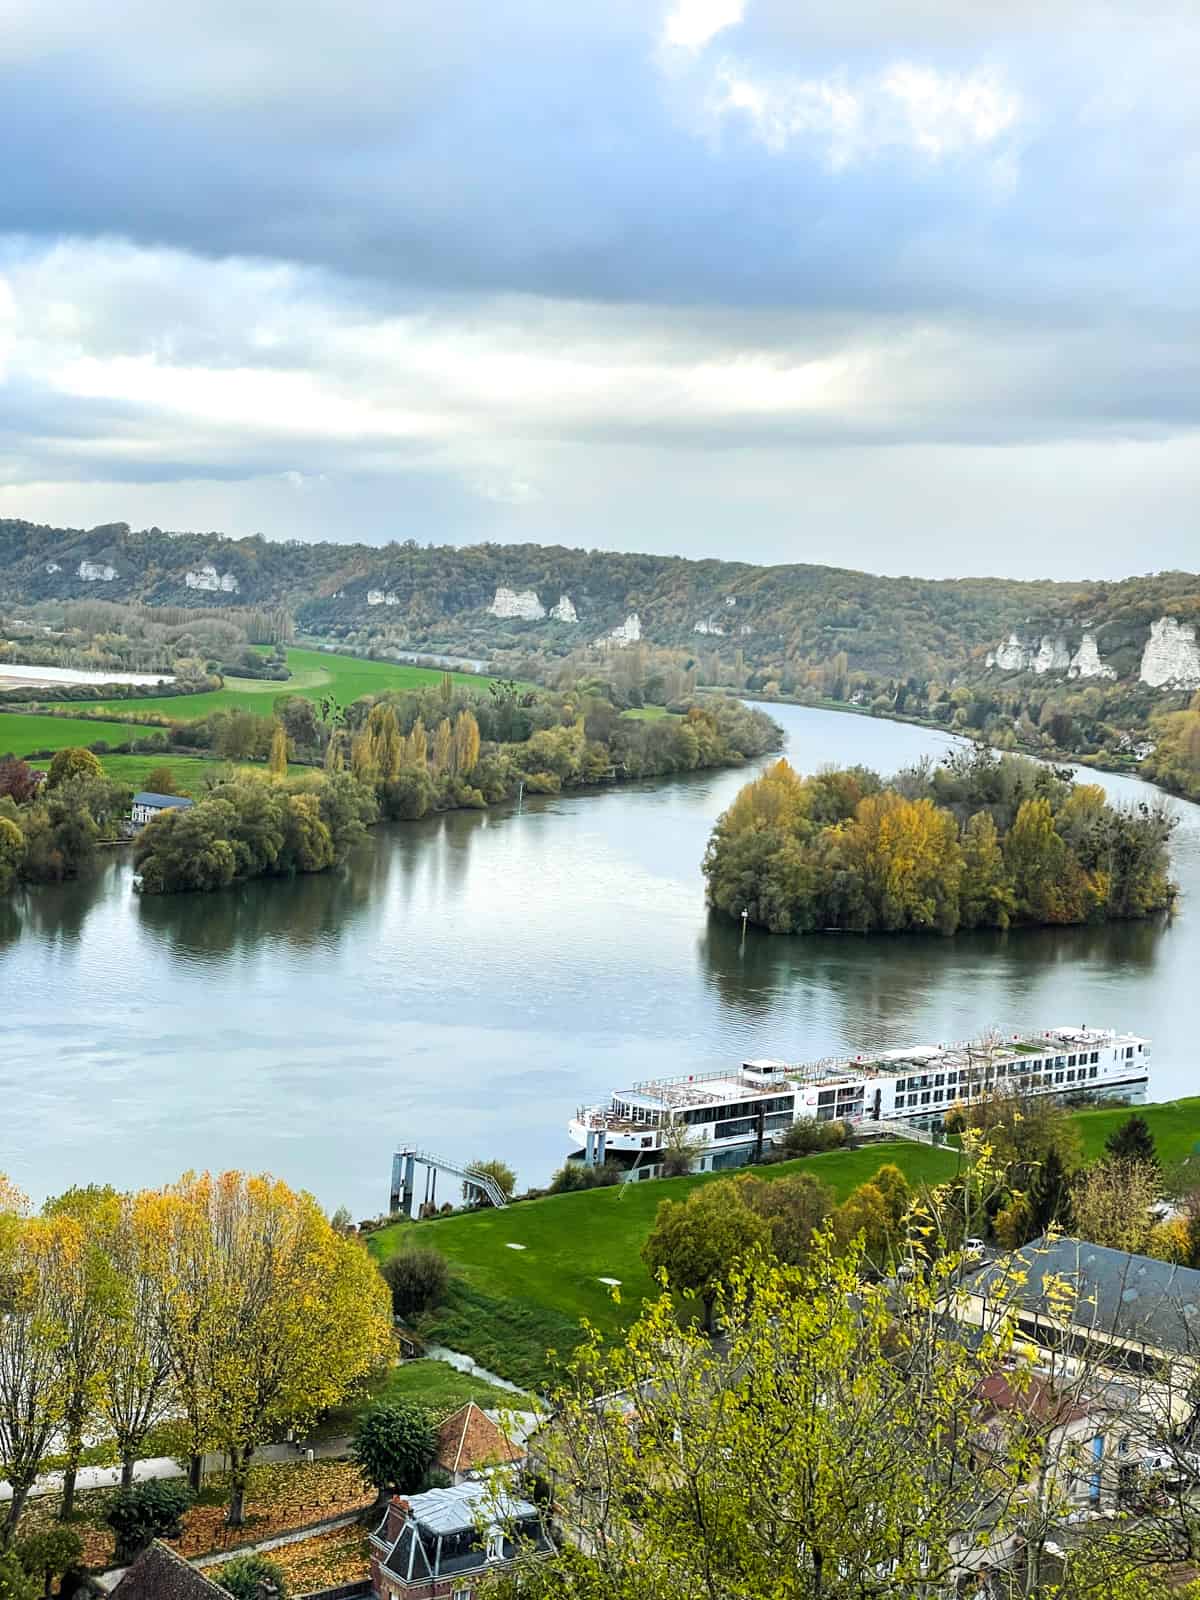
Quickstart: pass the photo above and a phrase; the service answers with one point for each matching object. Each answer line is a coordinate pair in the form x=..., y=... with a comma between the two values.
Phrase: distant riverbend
x=466, y=981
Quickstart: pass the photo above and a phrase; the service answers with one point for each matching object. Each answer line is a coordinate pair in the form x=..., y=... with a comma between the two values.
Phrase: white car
x=973, y=1248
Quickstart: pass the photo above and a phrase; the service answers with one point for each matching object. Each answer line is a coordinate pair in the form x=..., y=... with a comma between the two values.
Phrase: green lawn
x=189, y=772
x=509, y=1305
x=1175, y=1125
x=439, y=1387
x=314, y=674
x=20, y=733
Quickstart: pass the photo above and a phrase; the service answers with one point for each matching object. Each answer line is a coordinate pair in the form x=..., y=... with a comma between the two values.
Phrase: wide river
x=469, y=980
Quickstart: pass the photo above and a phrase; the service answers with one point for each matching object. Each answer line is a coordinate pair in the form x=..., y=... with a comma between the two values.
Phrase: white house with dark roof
x=440, y=1545
x=147, y=806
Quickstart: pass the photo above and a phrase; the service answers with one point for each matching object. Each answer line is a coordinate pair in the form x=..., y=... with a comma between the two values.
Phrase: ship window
x=1070, y=1061
x=1095, y=1056
x=1058, y=1077
x=781, y=1119
x=1092, y=1071
x=1070, y=1073
x=900, y=1099
x=1129, y=1053
x=925, y=1098
x=825, y=1098
x=940, y=1079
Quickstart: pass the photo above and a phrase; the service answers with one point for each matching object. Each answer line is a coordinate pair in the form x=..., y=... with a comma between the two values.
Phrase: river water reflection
x=466, y=981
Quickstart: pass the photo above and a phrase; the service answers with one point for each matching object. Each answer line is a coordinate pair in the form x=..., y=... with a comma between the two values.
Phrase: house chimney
x=397, y=1516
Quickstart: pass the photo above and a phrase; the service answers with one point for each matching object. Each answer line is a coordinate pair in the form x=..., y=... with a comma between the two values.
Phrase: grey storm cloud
x=656, y=274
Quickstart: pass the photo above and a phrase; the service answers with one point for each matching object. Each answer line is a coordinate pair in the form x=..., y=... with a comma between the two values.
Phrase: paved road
x=168, y=1467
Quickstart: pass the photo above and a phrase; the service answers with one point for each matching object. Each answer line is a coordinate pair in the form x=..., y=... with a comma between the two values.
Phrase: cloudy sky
x=907, y=285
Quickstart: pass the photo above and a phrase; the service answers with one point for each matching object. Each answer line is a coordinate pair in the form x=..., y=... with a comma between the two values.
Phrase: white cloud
x=905, y=107
x=694, y=22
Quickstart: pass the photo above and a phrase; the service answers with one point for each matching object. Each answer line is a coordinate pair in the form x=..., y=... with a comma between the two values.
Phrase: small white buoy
x=514, y=1247
x=613, y=1283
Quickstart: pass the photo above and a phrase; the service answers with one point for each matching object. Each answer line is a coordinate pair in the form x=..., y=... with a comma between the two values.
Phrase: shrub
x=244, y=1576
x=807, y=1137
x=573, y=1176
x=418, y=1279
x=49, y=1553
x=145, y=1512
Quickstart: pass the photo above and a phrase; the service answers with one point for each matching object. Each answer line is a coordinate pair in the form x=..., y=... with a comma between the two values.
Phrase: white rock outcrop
x=731, y=599
x=1086, y=662
x=510, y=603
x=381, y=597
x=627, y=632
x=1011, y=656
x=1171, y=659
x=1052, y=654
x=564, y=610
x=207, y=577
x=96, y=572
x=53, y=566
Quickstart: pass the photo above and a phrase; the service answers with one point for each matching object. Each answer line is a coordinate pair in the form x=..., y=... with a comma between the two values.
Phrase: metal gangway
x=404, y=1169
x=896, y=1128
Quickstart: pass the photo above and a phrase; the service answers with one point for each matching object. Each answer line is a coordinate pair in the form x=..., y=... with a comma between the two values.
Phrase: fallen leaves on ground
x=281, y=1496
x=325, y=1561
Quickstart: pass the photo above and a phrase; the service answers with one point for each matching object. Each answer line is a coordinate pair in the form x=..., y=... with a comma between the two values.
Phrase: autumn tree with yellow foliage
x=228, y=1304
x=982, y=841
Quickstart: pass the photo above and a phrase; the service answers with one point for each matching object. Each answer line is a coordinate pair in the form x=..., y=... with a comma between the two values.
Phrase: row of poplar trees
x=226, y=1309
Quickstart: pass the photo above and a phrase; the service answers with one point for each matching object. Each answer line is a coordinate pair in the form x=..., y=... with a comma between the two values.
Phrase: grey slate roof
x=146, y=798
x=1121, y=1295
x=159, y=1574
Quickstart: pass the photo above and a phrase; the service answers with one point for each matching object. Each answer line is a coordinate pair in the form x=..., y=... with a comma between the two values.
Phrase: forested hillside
x=444, y=596
x=1087, y=668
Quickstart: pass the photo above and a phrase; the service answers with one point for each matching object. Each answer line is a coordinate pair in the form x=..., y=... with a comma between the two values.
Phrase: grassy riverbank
x=1175, y=1125
x=508, y=1306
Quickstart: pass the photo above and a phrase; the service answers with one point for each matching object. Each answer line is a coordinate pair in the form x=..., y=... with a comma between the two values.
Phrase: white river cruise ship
x=732, y=1115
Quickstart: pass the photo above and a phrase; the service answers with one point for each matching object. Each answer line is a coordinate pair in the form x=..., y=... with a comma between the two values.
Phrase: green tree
x=866, y=1215
x=393, y=1445
x=697, y=1242
x=251, y=1577
x=72, y=762
x=1132, y=1141
x=1111, y=1204
x=985, y=896
x=160, y=780
x=12, y=853
x=793, y=1208
x=1049, y=1195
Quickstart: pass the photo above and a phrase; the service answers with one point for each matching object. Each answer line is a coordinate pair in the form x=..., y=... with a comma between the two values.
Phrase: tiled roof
x=469, y=1439
x=159, y=1574
x=1030, y=1396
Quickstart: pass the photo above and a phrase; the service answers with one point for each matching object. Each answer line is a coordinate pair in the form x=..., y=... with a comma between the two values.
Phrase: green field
x=1175, y=1125
x=649, y=713
x=508, y=1305
x=314, y=674
x=19, y=734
